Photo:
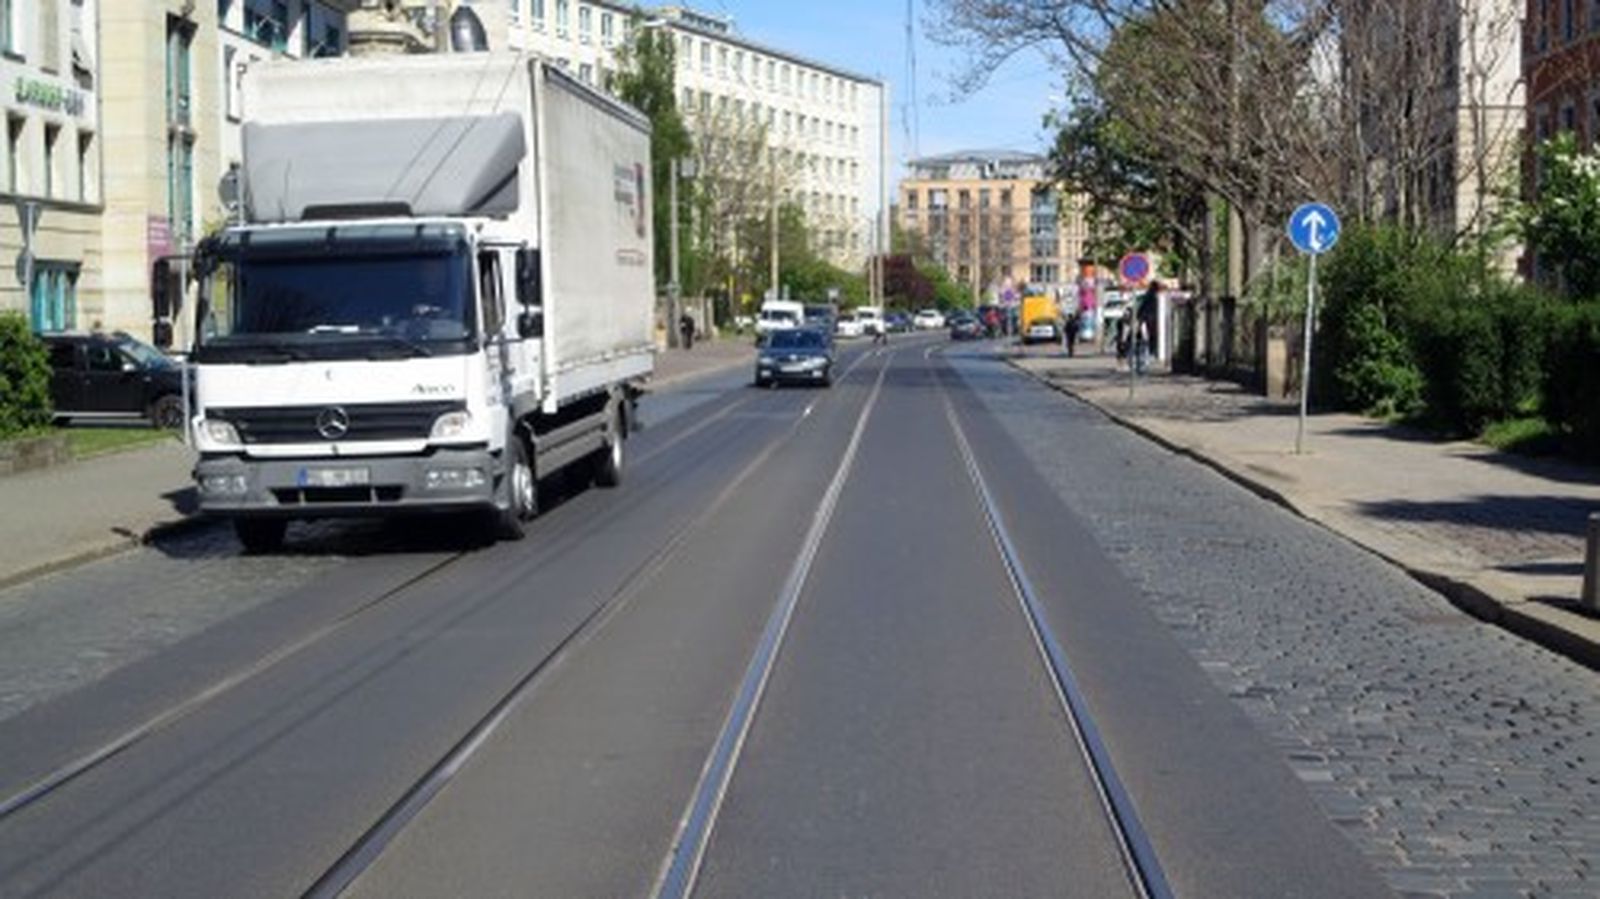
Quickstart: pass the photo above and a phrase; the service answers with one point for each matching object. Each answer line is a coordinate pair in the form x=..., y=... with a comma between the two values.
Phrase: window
x=52, y=158
x=1569, y=27
x=516, y=11
x=585, y=23
x=1594, y=15
x=86, y=167
x=722, y=62
x=688, y=98
x=607, y=29
x=266, y=22
x=1569, y=117
x=686, y=51
x=705, y=57
x=331, y=44
x=50, y=36
x=180, y=186
x=786, y=78
x=563, y=17
x=536, y=13
x=586, y=72
x=180, y=36
x=911, y=200
x=772, y=72
x=14, y=131
x=738, y=65
x=10, y=39
x=53, y=301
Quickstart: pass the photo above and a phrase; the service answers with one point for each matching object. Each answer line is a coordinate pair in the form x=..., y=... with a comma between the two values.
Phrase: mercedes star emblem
x=333, y=423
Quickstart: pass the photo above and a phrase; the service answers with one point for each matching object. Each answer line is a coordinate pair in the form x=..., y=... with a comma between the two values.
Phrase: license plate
x=335, y=477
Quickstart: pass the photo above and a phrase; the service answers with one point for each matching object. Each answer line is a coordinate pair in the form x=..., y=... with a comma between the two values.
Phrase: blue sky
x=868, y=36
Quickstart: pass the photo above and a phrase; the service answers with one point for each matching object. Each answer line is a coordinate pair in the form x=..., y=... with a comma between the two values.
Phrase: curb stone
x=111, y=546
x=1516, y=615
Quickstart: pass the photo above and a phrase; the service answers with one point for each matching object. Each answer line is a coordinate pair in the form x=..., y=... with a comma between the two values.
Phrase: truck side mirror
x=530, y=290
x=531, y=323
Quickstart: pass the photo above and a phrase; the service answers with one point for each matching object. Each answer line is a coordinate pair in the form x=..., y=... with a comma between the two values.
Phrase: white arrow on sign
x=1314, y=224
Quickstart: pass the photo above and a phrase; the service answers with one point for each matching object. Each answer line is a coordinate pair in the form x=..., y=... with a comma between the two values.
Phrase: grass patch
x=86, y=442
x=1528, y=436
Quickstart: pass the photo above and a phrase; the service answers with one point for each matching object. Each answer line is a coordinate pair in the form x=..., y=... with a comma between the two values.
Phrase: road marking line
x=682, y=865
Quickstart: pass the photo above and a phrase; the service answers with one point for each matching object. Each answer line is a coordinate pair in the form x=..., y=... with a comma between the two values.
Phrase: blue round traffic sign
x=1134, y=268
x=1314, y=228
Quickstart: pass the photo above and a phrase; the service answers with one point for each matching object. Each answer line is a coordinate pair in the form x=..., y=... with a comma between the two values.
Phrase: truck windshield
x=282, y=306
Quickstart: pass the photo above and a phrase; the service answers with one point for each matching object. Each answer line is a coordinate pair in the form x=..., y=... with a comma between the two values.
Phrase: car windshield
x=797, y=340
x=352, y=304
x=778, y=315
x=142, y=353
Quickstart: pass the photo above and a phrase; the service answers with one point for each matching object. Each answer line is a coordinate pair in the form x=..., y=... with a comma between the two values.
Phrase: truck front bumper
x=444, y=480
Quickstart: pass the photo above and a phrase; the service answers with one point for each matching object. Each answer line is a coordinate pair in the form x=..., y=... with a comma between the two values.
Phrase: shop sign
x=49, y=96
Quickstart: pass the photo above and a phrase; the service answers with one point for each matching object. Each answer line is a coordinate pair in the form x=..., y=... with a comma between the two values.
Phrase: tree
x=647, y=80
x=1562, y=223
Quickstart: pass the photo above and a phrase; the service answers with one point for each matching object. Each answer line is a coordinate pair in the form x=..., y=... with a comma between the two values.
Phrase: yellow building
x=161, y=113
x=994, y=220
x=50, y=174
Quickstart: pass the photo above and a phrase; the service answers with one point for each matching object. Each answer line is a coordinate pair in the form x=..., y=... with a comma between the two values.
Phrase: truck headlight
x=451, y=425
x=218, y=431
x=224, y=484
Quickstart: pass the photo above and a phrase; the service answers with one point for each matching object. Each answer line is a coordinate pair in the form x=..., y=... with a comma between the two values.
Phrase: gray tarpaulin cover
x=461, y=165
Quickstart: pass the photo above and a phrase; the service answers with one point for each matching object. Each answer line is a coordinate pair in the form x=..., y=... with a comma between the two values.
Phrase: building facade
x=817, y=131
x=994, y=220
x=1561, y=71
x=50, y=77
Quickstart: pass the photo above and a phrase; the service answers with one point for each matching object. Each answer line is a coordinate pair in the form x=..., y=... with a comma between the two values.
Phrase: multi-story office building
x=994, y=220
x=816, y=132
x=51, y=89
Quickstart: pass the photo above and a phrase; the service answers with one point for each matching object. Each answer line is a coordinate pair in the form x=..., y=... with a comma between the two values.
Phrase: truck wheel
x=522, y=493
x=608, y=461
x=260, y=535
x=167, y=412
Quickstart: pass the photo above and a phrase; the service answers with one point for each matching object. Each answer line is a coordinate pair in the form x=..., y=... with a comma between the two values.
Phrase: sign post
x=1313, y=229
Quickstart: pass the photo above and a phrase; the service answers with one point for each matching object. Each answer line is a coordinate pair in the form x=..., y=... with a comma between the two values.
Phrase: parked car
x=848, y=325
x=897, y=322
x=965, y=326
x=803, y=355
x=928, y=320
x=1042, y=330
x=114, y=377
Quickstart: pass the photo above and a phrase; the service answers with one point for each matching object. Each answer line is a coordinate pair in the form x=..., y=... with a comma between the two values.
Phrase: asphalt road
x=785, y=658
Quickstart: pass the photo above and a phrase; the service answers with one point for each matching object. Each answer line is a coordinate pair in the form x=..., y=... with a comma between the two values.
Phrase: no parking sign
x=1134, y=269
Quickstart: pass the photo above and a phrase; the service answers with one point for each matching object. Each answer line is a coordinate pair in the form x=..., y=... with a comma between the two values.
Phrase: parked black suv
x=113, y=376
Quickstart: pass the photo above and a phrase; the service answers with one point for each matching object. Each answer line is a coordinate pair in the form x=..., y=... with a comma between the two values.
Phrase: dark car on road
x=798, y=355
x=112, y=377
x=898, y=322
x=965, y=326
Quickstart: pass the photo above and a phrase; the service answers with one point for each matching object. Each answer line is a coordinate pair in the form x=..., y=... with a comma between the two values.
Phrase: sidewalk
x=707, y=357
x=1500, y=535
x=57, y=517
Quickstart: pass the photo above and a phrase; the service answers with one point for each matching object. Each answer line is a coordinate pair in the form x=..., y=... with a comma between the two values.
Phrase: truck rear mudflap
x=444, y=480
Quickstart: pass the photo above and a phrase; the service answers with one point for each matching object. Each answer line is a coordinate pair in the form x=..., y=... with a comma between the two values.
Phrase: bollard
x=1591, y=565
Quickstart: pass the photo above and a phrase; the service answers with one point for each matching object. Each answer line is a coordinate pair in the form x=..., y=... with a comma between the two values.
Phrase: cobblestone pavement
x=71, y=628
x=1461, y=760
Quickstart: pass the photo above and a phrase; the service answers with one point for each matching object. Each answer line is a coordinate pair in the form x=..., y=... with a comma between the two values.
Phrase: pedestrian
x=1124, y=331
x=686, y=329
x=1069, y=336
x=1147, y=311
x=880, y=330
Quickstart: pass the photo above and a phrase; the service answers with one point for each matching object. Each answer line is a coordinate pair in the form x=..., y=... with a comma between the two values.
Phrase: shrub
x=1482, y=356
x=1572, y=375
x=1376, y=376
x=24, y=377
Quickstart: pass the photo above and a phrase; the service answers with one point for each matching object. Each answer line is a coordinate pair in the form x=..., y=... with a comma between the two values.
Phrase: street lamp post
x=680, y=168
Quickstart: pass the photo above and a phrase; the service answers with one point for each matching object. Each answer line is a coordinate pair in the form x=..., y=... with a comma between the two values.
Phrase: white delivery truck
x=442, y=293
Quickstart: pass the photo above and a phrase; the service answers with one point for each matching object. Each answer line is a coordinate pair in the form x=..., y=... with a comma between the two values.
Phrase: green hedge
x=24, y=378
x=1482, y=357
x=1572, y=375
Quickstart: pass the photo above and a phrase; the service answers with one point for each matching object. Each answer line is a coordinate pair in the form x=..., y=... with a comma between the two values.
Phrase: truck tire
x=608, y=461
x=522, y=493
x=167, y=412
x=260, y=535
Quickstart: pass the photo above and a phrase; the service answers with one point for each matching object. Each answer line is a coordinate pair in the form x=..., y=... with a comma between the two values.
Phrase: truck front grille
x=330, y=423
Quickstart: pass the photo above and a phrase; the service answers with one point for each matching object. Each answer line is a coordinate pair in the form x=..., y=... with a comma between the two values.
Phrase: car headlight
x=451, y=425
x=219, y=431
x=765, y=360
